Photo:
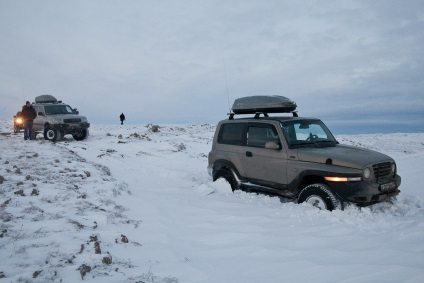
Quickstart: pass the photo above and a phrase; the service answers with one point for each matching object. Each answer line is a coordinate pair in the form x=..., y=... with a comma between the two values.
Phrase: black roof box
x=46, y=98
x=264, y=104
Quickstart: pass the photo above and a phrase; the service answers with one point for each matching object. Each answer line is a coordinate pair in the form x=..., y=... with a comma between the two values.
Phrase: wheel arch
x=223, y=164
x=307, y=178
x=311, y=179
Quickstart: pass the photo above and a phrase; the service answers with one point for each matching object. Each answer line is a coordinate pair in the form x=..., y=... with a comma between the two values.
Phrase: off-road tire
x=320, y=196
x=79, y=136
x=52, y=134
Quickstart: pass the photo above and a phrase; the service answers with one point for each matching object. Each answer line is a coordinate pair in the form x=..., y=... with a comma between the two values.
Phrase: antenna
x=226, y=84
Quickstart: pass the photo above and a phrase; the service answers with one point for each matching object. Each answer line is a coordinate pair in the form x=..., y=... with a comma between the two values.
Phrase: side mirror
x=271, y=145
x=76, y=111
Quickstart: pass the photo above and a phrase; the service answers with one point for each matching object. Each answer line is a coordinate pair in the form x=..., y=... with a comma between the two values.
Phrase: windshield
x=307, y=133
x=58, y=109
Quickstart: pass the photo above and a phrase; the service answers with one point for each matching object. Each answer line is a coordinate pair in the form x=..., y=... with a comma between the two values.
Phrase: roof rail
x=258, y=114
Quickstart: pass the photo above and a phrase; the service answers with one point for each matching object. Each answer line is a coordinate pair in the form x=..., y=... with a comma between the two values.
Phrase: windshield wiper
x=325, y=143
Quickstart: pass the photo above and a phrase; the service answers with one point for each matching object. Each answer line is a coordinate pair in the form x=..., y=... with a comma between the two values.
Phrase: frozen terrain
x=132, y=205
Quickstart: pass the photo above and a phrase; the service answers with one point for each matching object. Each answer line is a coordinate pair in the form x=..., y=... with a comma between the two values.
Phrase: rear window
x=231, y=134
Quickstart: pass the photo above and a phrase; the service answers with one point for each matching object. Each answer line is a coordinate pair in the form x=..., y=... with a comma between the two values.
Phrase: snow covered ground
x=132, y=205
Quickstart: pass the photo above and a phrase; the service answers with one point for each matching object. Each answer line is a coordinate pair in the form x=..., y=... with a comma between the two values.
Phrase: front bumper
x=367, y=192
x=71, y=128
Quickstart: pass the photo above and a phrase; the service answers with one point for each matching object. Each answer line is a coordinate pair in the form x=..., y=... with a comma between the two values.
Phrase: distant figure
x=28, y=115
x=122, y=118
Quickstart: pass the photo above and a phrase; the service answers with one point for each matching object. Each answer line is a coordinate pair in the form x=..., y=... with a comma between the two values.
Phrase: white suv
x=56, y=119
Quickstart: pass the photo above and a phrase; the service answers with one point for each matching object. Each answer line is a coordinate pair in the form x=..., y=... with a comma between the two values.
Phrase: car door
x=38, y=123
x=263, y=165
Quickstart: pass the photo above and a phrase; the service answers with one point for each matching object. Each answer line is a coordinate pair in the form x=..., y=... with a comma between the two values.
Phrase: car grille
x=382, y=169
x=72, y=120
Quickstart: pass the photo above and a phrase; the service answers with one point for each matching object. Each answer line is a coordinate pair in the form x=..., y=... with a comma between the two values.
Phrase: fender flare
x=223, y=164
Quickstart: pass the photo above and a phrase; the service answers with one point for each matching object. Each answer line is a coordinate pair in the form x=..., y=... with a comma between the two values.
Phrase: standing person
x=28, y=115
x=122, y=118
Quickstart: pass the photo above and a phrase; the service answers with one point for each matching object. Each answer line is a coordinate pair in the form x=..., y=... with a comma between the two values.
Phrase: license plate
x=388, y=187
x=73, y=126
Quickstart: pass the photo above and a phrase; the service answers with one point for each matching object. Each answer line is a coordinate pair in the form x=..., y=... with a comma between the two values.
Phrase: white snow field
x=132, y=205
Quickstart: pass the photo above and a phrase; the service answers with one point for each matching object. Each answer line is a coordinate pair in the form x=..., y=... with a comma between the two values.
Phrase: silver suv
x=297, y=158
x=56, y=119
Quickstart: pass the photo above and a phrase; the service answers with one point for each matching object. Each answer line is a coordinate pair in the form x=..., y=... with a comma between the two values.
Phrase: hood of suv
x=342, y=155
x=69, y=118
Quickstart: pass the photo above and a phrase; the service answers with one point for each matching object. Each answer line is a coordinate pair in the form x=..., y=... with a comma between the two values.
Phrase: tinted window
x=259, y=135
x=232, y=134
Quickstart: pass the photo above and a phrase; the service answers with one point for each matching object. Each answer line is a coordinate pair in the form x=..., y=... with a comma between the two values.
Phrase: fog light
x=342, y=179
x=367, y=173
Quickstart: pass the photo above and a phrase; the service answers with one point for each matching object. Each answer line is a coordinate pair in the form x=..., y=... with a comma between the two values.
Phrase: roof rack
x=258, y=114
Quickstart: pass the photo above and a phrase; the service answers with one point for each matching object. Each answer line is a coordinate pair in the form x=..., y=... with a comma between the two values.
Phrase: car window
x=303, y=133
x=259, y=135
x=231, y=134
x=307, y=132
x=38, y=108
x=58, y=109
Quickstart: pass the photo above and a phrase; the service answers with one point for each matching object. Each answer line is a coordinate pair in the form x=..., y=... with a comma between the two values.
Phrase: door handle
x=249, y=154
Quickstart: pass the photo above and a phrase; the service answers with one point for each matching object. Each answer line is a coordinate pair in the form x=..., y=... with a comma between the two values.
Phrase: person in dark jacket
x=122, y=118
x=28, y=115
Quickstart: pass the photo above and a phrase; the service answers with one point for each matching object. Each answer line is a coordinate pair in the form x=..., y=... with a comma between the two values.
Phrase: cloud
x=173, y=60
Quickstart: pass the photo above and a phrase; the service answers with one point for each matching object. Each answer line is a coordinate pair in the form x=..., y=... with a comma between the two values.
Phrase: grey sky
x=168, y=61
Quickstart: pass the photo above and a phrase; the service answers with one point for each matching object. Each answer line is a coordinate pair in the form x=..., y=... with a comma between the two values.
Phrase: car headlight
x=393, y=168
x=57, y=121
x=367, y=173
x=19, y=121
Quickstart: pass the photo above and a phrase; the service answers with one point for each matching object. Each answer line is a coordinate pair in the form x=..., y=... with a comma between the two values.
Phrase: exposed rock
x=84, y=269
x=36, y=273
x=20, y=192
x=97, y=249
x=107, y=260
x=124, y=239
x=154, y=128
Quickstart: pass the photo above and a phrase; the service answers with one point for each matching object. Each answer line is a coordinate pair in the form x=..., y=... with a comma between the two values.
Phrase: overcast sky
x=347, y=62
